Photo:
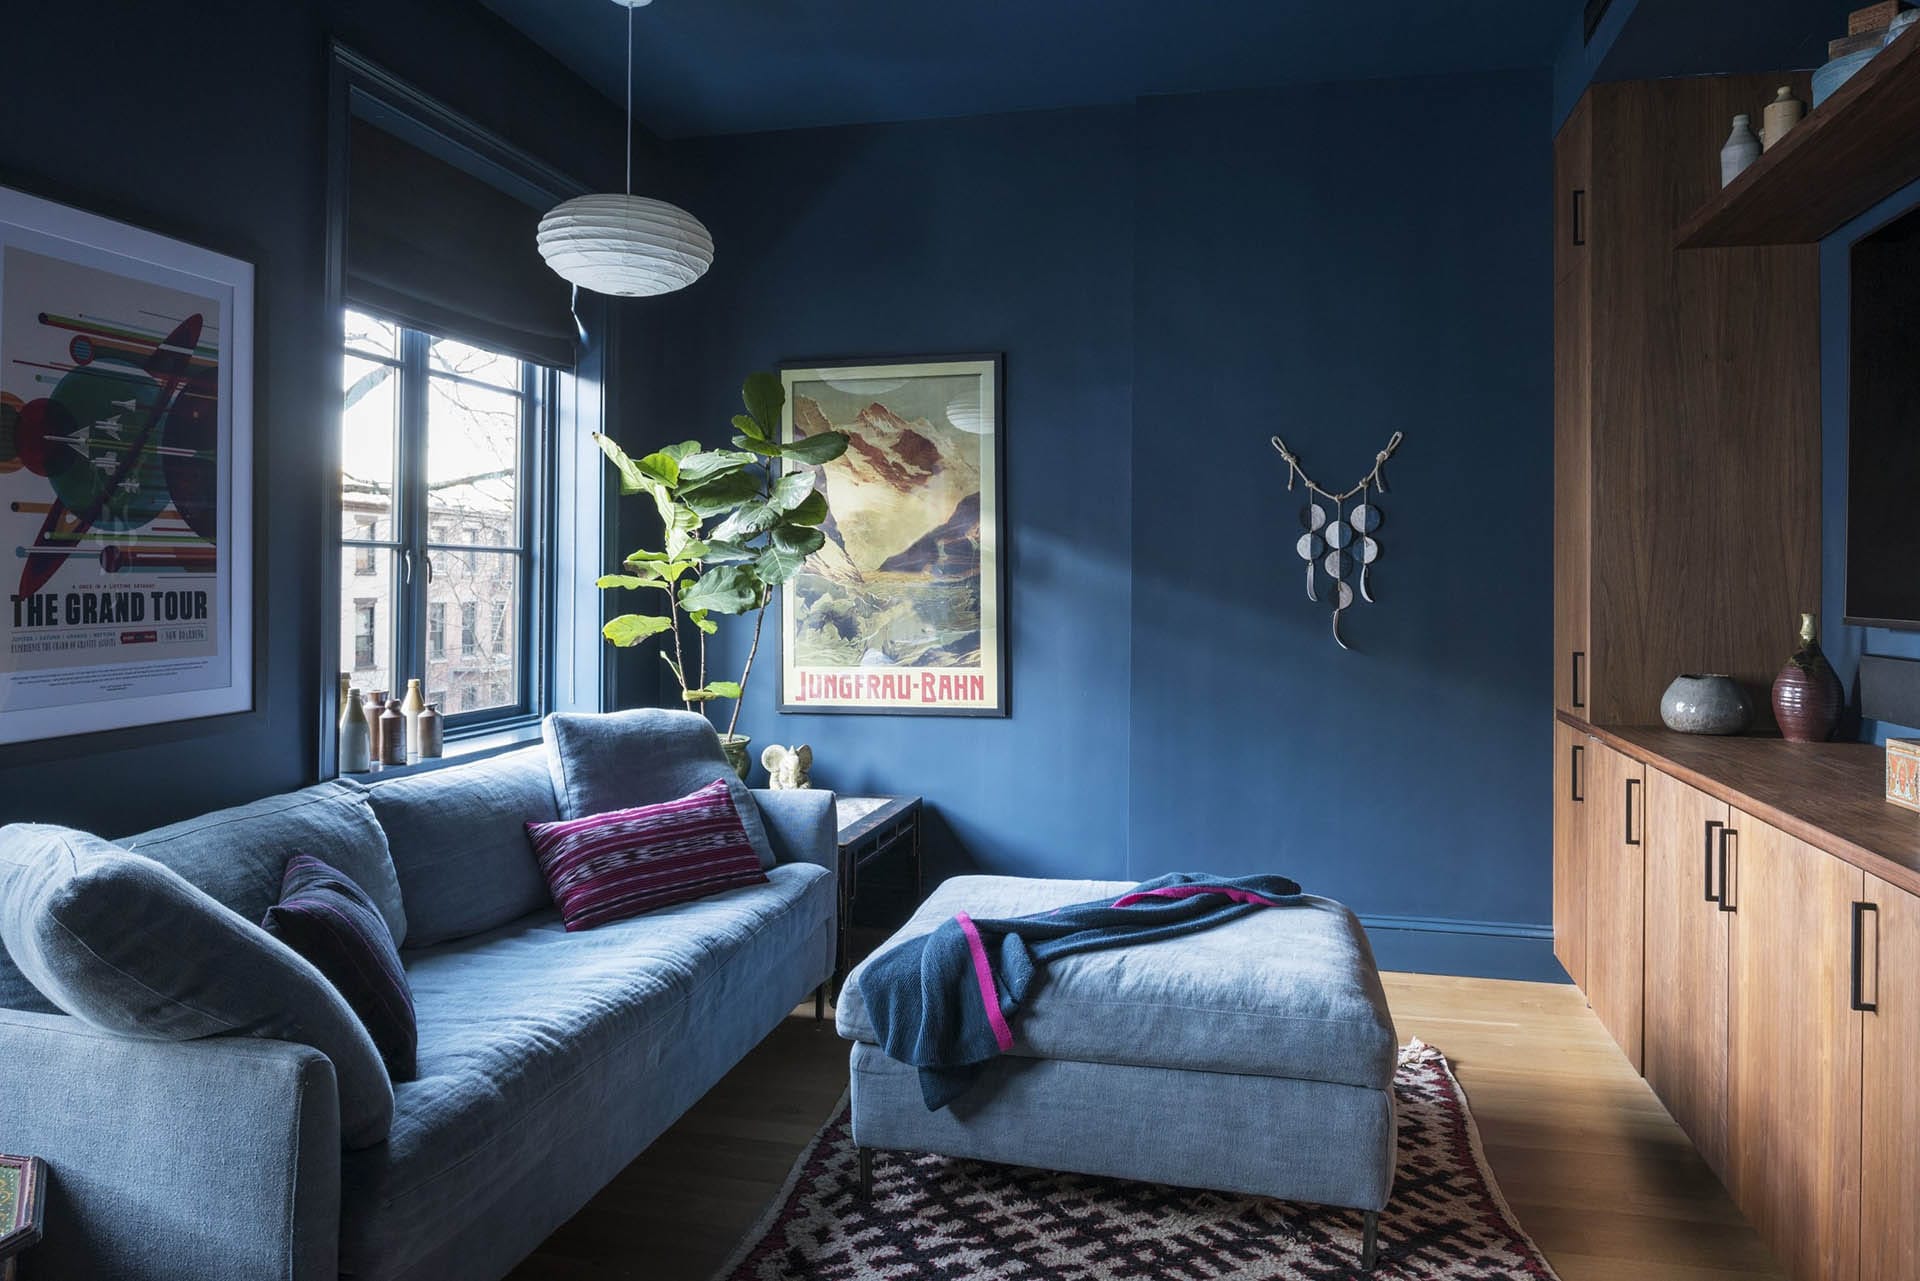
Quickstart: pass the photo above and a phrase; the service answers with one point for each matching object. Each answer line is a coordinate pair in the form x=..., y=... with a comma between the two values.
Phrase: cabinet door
x=1794, y=1050
x=1572, y=430
x=1686, y=956
x=1890, y=1134
x=1616, y=896
x=1572, y=770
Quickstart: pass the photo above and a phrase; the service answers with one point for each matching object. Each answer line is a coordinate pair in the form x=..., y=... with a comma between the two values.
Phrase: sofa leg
x=866, y=1174
x=820, y=1004
x=1369, y=1240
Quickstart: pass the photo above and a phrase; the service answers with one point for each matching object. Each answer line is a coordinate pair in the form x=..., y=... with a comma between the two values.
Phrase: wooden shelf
x=1830, y=795
x=1854, y=150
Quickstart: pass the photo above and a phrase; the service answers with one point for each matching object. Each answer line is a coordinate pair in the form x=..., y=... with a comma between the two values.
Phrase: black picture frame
x=997, y=559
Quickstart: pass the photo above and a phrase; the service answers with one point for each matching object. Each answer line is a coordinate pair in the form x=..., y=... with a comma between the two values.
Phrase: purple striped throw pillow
x=332, y=922
x=607, y=867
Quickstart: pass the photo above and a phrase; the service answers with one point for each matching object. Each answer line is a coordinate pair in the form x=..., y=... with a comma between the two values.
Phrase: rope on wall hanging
x=1340, y=542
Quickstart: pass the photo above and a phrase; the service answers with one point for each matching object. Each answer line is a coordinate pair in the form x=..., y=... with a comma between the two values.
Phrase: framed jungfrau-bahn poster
x=903, y=611
x=126, y=472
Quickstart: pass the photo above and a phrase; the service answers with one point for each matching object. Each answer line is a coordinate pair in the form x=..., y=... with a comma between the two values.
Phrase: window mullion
x=411, y=617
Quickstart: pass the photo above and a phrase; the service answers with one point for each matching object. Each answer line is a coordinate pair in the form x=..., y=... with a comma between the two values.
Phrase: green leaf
x=745, y=425
x=661, y=467
x=682, y=450
x=765, y=396
x=721, y=494
x=822, y=447
x=632, y=479
x=751, y=520
x=792, y=489
x=697, y=469
x=628, y=581
x=788, y=551
x=681, y=523
x=724, y=689
x=812, y=510
x=705, y=624
x=724, y=589
x=718, y=552
x=768, y=448
x=631, y=629
x=643, y=556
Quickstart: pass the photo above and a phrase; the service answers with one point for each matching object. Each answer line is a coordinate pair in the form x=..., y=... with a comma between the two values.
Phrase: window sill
x=462, y=751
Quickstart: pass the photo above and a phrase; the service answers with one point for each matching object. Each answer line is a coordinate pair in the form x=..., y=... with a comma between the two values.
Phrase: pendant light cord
x=629, y=100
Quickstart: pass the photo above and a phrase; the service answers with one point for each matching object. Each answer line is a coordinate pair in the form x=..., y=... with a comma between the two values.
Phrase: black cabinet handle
x=1579, y=217
x=1860, y=911
x=1576, y=792
x=1631, y=838
x=1578, y=657
x=1726, y=886
x=1712, y=823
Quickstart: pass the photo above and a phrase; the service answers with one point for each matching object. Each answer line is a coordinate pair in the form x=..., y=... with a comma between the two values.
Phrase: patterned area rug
x=933, y=1217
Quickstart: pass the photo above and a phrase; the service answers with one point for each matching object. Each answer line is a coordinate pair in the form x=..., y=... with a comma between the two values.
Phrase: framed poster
x=904, y=610
x=126, y=475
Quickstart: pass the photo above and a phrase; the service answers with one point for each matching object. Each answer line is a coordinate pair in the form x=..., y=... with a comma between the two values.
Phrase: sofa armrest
x=801, y=826
x=217, y=1159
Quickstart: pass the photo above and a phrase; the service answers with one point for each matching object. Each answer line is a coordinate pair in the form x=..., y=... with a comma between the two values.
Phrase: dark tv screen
x=1883, y=443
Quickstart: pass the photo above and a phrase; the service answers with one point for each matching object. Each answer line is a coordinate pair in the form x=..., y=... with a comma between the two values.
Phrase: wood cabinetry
x=1793, y=1049
x=1890, y=1085
x=1686, y=402
x=1780, y=934
x=1684, y=1057
x=1571, y=776
x=1616, y=894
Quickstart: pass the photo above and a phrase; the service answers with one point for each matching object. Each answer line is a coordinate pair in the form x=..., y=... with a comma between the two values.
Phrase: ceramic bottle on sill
x=410, y=707
x=1740, y=151
x=393, y=735
x=376, y=703
x=1780, y=117
x=355, y=754
x=1807, y=697
x=432, y=731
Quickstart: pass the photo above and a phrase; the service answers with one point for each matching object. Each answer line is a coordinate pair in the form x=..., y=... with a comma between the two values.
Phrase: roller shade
x=438, y=249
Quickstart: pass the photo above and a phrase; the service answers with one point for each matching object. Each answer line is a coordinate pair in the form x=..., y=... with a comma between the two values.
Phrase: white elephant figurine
x=788, y=767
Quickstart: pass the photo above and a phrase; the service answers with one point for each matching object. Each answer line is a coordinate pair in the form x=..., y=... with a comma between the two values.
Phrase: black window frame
x=412, y=553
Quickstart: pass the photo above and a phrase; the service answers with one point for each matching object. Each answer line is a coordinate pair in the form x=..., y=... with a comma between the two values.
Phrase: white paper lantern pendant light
x=625, y=245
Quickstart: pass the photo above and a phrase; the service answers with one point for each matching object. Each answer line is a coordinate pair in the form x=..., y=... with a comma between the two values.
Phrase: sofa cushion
x=534, y=1041
x=458, y=845
x=617, y=760
x=608, y=867
x=238, y=855
x=127, y=945
x=326, y=918
x=1287, y=991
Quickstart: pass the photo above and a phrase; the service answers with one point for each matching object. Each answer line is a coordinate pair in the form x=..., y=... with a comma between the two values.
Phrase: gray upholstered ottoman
x=1257, y=1057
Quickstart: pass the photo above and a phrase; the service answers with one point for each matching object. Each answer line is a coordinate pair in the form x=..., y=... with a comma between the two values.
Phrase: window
x=442, y=452
x=363, y=632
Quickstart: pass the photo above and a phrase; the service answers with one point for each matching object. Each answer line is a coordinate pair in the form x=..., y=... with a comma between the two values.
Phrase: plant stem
x=752, y=649
x=679, y=654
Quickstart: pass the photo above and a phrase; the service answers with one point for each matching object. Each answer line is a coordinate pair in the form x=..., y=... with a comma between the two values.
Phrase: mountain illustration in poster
x=898, y=582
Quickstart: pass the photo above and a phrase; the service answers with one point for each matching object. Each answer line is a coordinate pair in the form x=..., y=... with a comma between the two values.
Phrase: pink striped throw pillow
x=607, y=867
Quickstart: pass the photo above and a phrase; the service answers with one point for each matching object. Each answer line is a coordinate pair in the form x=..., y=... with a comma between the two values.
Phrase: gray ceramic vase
x=1706, y=705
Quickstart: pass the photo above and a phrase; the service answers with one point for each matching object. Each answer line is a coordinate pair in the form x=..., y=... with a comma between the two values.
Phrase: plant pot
x=1711, y=704
x=735, y=746
x=1807, y=697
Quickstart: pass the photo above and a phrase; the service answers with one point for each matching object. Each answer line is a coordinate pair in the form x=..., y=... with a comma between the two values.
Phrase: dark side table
x=879, y=851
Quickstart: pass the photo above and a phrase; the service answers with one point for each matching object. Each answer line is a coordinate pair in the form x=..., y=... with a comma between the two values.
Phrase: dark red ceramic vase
x=1807, y=697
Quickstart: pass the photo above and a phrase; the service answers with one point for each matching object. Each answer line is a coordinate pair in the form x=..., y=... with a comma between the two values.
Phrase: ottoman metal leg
x=1369, y=1240
x=866, y=1174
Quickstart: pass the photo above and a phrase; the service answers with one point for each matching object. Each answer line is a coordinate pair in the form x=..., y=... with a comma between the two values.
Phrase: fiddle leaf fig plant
x=736, y=524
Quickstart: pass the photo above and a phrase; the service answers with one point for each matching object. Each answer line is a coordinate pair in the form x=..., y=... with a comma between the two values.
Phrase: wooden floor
x=1593, y=1167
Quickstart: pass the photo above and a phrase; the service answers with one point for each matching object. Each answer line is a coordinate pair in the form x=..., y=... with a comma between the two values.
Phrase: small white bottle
x=1741, y=151
x=356, y=742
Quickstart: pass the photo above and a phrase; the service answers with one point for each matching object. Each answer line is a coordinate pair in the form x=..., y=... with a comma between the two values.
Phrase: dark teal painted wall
x=1172, y=284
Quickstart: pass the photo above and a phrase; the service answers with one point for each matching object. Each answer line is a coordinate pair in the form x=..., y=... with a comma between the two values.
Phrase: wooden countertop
x=1830, y=795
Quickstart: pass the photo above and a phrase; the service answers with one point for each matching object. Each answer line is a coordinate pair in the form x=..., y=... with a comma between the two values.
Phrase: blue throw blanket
x=944, y=1002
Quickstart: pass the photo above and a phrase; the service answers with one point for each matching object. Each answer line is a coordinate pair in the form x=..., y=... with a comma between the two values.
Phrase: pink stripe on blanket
x=983, y=974
x=1194, y=891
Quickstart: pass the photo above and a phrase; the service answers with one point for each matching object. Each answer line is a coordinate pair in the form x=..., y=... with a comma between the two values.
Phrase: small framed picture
x=903, y=612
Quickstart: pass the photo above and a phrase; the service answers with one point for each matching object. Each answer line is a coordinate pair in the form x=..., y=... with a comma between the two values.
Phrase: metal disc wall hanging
x=1336, y=541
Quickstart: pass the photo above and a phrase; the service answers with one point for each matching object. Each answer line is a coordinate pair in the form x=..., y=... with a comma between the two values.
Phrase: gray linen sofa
x=547, y=1060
